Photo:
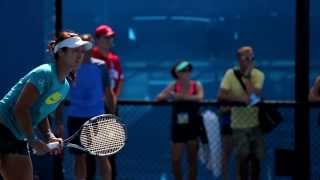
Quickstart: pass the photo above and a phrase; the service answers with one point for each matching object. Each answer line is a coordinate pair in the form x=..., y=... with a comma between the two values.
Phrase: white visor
x=73, y=42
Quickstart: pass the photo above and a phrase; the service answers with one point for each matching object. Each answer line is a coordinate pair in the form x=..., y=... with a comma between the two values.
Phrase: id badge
x=183, y=118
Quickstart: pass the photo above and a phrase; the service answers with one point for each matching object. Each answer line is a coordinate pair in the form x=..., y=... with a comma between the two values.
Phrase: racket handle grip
x=53, y=145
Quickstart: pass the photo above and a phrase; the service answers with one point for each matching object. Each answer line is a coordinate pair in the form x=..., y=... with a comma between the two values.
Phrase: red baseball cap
x=104, y=30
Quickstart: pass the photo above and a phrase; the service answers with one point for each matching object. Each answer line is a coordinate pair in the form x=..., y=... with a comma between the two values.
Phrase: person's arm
x=26, y=99
x=166, y=93
x=110, y=100
x=225, y=94
x=45, y=129
x=251, y=89
x=118, y=88
x=254, y=83
x=118, y=84
x=59, y=120
x=314, y=94
x=109, y=96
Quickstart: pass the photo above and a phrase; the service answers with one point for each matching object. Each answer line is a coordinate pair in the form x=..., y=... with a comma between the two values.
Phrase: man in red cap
x=102, y=50
x=104, y=37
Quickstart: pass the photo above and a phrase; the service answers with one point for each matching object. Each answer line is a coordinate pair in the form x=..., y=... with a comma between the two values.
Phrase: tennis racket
x=102, y=135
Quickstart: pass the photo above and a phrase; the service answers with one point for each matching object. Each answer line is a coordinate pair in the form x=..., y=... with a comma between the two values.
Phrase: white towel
x=211, y=154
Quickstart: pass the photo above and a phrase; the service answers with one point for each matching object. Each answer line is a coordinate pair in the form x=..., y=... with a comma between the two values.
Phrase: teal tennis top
x=51, y=90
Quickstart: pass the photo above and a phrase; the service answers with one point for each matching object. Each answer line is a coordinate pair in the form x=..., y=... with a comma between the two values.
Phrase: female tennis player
x=29, y=102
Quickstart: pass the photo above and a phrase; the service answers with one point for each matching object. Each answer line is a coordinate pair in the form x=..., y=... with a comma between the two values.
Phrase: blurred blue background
x=153, y=35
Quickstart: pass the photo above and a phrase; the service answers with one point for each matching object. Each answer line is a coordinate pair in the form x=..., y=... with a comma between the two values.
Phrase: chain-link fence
x=148, y=152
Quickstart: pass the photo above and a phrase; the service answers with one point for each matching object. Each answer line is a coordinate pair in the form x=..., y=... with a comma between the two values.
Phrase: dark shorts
x=185, y=121
x=10, y=145
x=226, y=130
x=183, y=134
x=225, y=125
x=74, y=123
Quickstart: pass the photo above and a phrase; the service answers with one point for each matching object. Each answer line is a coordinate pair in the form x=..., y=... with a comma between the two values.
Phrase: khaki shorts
x=249, y=141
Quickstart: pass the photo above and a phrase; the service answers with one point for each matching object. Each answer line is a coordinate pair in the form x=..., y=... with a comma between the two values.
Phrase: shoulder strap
x=238, y=76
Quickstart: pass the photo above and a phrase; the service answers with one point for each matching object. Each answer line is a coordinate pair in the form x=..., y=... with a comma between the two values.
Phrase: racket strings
x=103, y=136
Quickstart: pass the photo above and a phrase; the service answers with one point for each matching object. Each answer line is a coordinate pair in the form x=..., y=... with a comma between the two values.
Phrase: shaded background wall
x=26, y=28
x=205, y=32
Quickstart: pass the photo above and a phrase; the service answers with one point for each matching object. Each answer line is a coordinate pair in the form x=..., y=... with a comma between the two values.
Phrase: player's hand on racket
x=57, y=149
x=39, y=147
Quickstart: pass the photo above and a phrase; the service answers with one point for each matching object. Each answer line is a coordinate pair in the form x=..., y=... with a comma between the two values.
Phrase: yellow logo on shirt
x=53, y=98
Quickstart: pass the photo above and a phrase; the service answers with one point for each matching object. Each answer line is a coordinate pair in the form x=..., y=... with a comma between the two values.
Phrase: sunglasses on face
x=185, y=70
x=247, y=58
